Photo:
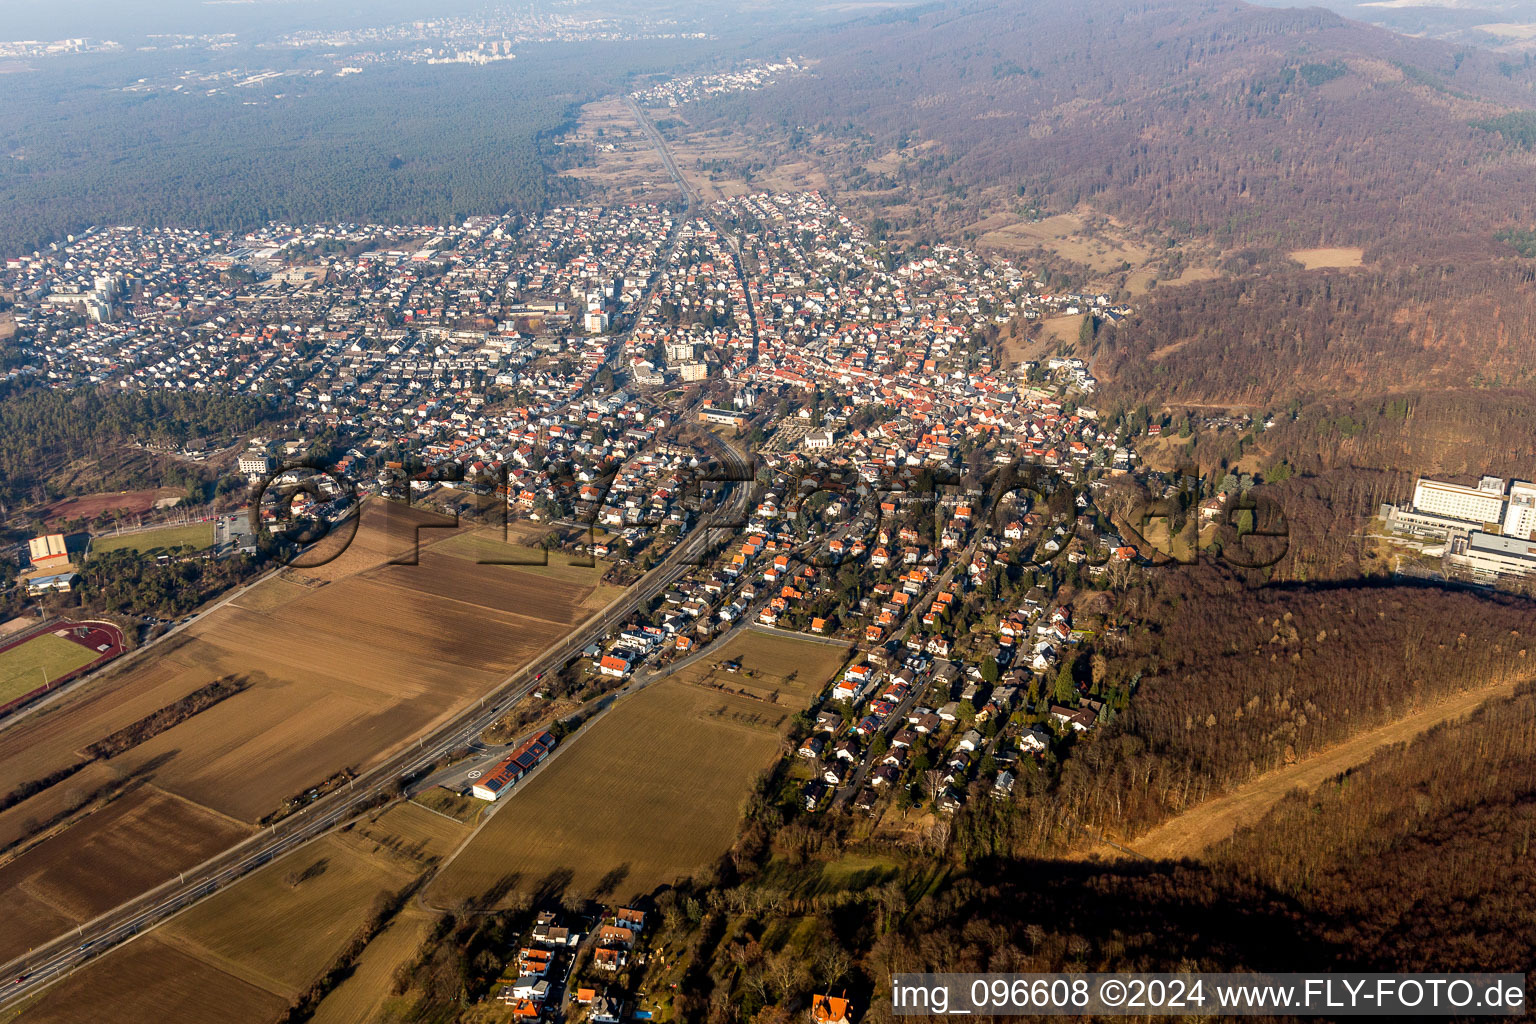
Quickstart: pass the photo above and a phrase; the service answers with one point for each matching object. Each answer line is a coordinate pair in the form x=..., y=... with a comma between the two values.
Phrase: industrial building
x=48, y=550
x=513, y=767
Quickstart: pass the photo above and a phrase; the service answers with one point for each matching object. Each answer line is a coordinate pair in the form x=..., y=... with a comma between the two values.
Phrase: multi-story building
x=1520, y=513
x=1481, y=504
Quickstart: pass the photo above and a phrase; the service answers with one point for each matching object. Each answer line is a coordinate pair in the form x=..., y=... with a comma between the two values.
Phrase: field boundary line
x=433, y=810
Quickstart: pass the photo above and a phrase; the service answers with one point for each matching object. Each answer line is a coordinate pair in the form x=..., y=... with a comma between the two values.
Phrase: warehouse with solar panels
x=513, y=767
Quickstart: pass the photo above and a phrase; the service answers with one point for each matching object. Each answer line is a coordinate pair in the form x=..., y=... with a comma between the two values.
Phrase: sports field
x=40, y=660
x=164, y=540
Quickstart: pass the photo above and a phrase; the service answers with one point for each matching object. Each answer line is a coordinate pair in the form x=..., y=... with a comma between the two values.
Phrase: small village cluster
x=749, y=77
x=556, y=963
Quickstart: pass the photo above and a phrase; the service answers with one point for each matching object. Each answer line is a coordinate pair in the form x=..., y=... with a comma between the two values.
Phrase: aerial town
x=596, y=366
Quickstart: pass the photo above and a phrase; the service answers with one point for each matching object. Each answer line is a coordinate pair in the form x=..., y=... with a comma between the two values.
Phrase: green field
x=22, y=668
x=194, y=535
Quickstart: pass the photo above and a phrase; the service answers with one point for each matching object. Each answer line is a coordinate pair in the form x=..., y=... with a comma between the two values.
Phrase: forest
x=412, y=144
x=1225, y=123
x=1264, y=340
x=42, y=430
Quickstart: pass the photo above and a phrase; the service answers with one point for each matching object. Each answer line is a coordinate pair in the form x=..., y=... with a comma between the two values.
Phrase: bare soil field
x=153, y=982
x=284, y=925
x=53, y=801
x=1318, y=259
x=273, y=592
x=130, y=846
x=92, y=505
x=651, y=792
x=487, y=545
x=54, y=737
x=346, y=672
x=779, y=670
x=339, y=676
x=1192, y=832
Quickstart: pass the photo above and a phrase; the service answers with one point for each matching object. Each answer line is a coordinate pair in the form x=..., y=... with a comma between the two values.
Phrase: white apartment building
x=1520, y=514
x=254, y=464
x=1481, y=504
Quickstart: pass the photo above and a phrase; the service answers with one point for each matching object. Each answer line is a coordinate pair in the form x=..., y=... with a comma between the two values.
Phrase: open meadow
x=652, y=791
x=1333, y=257
x=778, y=669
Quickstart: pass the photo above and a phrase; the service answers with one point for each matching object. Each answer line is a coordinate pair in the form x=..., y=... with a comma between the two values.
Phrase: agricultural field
x=487, y=545
x=267, y=939
x=162, y=541
x=16, y=823
x=363, y=655
x=650, y=792
x=363, y=995
x=410, y=833
x=282, y=927
x=780, y=670
x=149, y=980
x=41, y=659
x=131, y=845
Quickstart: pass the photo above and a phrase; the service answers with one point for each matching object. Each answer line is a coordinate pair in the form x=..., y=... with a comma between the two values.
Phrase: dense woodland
x=412, y=144
x=1264, y=340
x=43, y=430
x=1224, y=122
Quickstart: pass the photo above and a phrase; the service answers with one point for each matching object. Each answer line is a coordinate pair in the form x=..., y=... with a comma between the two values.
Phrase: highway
x=379, y=784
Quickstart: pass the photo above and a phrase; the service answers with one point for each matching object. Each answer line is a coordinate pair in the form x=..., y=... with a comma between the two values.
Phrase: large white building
x=1520, y=514
x=1481, y=504
x=1489, y=556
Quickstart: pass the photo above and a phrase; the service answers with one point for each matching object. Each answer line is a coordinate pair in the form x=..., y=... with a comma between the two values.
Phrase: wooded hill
x=1241, y=125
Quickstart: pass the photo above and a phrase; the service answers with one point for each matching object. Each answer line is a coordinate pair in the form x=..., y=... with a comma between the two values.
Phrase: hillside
x=1224, y=123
